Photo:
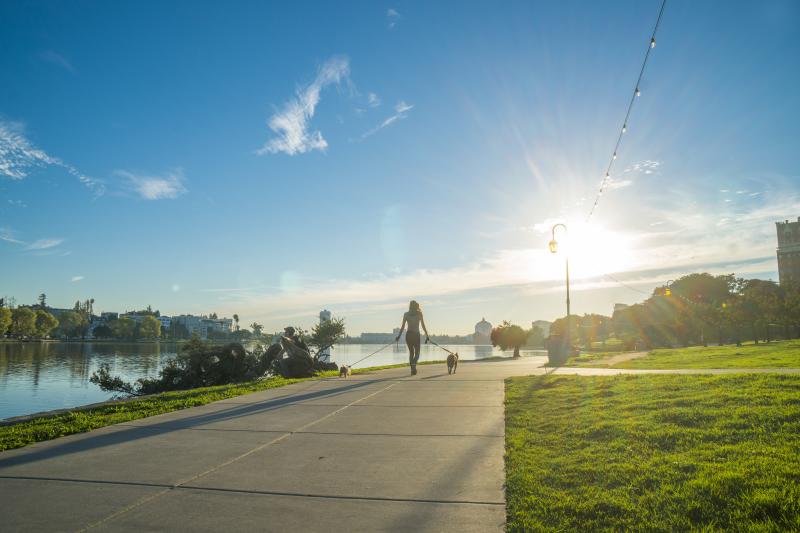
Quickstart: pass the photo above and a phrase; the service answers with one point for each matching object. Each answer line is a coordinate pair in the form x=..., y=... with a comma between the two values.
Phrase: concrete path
x=378, y=452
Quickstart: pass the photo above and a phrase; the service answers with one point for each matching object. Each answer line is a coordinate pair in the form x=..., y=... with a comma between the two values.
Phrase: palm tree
x=236, y=319
x=256, y=328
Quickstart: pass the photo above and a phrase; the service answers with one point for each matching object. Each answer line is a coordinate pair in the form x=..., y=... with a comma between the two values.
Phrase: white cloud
x=612, y=184
x=169, y=185
x=18, y=156
x=645, y=167
x=393, y=17
x=44, y=244
x=76, y=278
x=291, y=124
x=400, y=112
x=7, y=235
x=373, y=100
x=57, y=59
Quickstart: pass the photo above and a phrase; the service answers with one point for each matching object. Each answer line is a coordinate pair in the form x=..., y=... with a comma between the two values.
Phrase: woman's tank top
x=413, y=320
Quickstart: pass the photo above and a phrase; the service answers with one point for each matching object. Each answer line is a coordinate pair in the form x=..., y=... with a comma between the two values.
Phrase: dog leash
x=428, y=340
x=370, y=355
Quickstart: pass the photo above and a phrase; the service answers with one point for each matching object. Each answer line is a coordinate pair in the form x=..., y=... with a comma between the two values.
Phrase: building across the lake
x=543, y=325
x=325, y=316
x=203, y=325
x=788, y=251
x=483, y=332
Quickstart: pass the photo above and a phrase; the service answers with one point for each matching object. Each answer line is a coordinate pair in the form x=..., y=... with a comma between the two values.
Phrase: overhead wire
x=635, y=94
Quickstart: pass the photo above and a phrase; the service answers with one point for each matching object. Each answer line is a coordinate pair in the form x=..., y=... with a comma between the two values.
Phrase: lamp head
x=553, y=246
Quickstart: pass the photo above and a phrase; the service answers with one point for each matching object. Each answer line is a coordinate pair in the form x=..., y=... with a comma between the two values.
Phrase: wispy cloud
x=57, y=59
x=373, y=100
x=75, y=279
x=393, y=17
x=8, y=235
x=167, y=186
x=17, y=203
x=18, y=156
x=38, y=247
x=44, y=244
x=644, y=167
x=400, y=112
x=612, y=183
x=291, y=124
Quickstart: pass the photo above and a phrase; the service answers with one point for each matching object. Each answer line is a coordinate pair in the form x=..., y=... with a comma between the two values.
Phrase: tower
x=788, y=251
x=324, y=316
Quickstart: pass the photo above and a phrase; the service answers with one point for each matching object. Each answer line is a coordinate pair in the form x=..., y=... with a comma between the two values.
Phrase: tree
x=103, y=332
x=72, y=324
x=257, y=328
x=123, y=328
x=150, y=328
x=45, y=323
x=5, y=320
x=42, y=301
x=325, y=334
x=236, y=319
x=535, y=337
x=23, y=322
x=768, y=298
x=507, y=336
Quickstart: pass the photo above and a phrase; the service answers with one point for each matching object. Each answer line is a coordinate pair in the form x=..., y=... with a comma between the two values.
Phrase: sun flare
x=594, y=250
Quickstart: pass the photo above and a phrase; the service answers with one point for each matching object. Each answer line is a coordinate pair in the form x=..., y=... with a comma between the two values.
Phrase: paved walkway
x=381, y=451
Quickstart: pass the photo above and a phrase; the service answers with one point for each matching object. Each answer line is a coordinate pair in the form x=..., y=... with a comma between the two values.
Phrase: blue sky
x=272, y=160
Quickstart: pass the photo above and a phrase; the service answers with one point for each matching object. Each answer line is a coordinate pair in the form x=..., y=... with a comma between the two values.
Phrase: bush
x=199, y=364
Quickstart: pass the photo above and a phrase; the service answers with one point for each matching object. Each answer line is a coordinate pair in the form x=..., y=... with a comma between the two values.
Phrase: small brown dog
x=345, y=372
x=452, y=363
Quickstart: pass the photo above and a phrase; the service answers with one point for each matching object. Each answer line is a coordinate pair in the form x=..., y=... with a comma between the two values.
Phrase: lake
x=37, y=377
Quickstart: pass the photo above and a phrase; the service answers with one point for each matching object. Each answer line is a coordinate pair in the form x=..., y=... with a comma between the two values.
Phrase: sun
x=594, y=250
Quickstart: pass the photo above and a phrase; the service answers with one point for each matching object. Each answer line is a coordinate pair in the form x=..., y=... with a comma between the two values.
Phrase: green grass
x=653, y=453
x=81, y=420
x=780, y=354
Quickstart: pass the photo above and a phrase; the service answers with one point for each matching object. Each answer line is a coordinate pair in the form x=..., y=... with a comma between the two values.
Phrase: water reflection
x=38, y=377
x=43, y=376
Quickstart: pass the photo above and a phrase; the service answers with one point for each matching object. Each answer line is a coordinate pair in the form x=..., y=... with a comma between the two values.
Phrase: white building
x=483, y=332
x=166, y=321
x=325, y=355
x=203, y=325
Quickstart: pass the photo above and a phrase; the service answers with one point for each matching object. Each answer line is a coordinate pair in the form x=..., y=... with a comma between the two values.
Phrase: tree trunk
x=516, y=351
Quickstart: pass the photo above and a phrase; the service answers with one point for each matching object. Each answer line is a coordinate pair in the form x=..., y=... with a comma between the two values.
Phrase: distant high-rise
x=325, y=355
x=788, y=251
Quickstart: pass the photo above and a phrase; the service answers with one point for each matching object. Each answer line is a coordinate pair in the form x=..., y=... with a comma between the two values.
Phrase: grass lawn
x=779, y=354
x=80, y=420
x=653, y=453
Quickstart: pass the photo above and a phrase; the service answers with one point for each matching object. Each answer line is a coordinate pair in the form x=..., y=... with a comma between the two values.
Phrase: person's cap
x=289, y=330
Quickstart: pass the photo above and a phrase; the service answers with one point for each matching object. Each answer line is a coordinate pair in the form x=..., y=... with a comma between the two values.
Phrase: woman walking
x=413, y=317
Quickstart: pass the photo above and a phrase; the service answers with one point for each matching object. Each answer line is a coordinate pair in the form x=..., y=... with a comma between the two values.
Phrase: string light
x=636, y=93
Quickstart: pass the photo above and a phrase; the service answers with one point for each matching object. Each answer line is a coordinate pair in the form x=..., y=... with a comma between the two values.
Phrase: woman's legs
x=413, y=343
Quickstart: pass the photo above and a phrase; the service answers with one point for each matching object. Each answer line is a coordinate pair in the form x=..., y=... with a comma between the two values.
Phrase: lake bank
x=41, y=377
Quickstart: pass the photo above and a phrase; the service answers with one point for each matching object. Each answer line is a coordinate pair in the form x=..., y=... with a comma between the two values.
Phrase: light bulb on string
x=652, y=42
x=638, y=92
x=624, y=128
x=615, y=155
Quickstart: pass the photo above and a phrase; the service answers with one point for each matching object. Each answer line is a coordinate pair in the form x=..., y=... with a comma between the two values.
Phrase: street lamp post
x=553, y=249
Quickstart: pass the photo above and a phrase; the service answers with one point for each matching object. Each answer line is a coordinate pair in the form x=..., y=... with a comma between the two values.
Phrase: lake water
x=37, y=377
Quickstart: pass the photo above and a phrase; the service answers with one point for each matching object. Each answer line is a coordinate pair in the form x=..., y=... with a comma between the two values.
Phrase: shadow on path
x=52, y=449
